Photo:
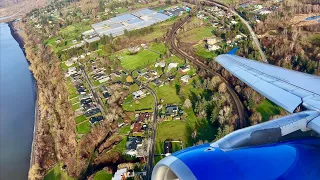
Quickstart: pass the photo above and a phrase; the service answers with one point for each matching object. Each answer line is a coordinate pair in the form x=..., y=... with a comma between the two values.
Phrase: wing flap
x=286, y=88
x=315, y=125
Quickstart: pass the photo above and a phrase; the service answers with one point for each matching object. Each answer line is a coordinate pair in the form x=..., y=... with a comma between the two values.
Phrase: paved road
x=153, y=133
x=253, y=34
x=92, y=89
x=236, y=100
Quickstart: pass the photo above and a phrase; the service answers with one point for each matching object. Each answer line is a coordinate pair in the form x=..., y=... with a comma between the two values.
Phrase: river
x=17, y=101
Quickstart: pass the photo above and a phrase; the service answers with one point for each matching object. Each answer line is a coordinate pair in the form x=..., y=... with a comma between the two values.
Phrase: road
x=149, y=166
x=236, y=100
x=92, y=89
x=252, y=33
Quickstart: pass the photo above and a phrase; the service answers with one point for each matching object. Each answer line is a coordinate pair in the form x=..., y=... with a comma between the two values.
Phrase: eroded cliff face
x=56, y=140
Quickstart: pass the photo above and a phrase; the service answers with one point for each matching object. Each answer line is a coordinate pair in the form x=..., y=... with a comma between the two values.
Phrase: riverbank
x=15, y=34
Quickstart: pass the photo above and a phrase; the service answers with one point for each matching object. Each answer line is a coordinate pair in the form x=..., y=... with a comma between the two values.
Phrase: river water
x=17, y=101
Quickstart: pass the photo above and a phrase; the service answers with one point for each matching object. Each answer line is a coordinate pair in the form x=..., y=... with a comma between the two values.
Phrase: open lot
x=267, y=109
x=139, y=60
x=136, y=105
x=168, y=94
x=83, y=128
x=195, y=35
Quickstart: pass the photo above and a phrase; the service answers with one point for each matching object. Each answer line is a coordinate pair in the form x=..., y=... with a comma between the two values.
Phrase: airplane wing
x=287, y=88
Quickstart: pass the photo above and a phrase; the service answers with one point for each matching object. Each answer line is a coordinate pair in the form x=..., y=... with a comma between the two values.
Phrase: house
x=129, y=79
x=133, y=142
x=233, y=22
x=171, y=78
x=104, y=79
x=58, y=41
x=104, y=88
x=117, y=73
x=137, y=128
x=160, y=64
x=95, y=119
x=211, y=44
x=172, y=110
x=119, y=175
x=172, y=65
x=157, y=82
x=154, y=72
x=139, y=94
x=141, y=117
x=185, y=78
x=185, y=68
x=70, y=61
x=71, y=71
x=106, y=95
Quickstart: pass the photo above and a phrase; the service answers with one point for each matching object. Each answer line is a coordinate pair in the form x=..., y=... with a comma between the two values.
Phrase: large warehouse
x=131, y=21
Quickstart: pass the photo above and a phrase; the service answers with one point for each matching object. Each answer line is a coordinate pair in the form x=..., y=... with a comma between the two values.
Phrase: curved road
x=253, y=34
x=236, y=101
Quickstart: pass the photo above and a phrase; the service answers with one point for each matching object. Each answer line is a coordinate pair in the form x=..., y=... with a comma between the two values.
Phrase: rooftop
x=136, y=20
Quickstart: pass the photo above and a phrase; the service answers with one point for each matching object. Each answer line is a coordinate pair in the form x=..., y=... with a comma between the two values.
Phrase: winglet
x=233, y=51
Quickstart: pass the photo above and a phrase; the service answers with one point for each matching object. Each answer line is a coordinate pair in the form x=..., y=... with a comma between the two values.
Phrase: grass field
x=168, y=94
x=159, y=47
x=124, y=130
x=171, y=130
x=201, y=51
x=159, y=30
x=102, y=175
x=56, y=173
x=196, y=34
x=141, y=104
x=75, y=106
x=71, y=89
x=267, y=108
x=80, y=119
x=83, y=128
x=139, y=60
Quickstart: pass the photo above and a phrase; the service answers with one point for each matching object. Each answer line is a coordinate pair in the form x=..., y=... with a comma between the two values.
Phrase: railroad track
x=246, y=23
x=236, y=100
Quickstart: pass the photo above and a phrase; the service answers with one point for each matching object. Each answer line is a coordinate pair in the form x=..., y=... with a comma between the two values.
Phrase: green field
x=139, y=60
x=102, y=175
x=201, y=51
x=83, y=128
x=159, y=30
x=168, y=94
x=124, y=129
x=71, y=89
x=141, y=104
x=196, y=34
x=159, y=47
x=56, y=173
x=80, y=119
x=171, y=130
x=75, y=106
x=267, y=109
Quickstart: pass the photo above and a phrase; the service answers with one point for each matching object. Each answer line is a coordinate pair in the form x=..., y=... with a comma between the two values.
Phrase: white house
x=185, y=78
x=138, y=94
x=172, y=65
